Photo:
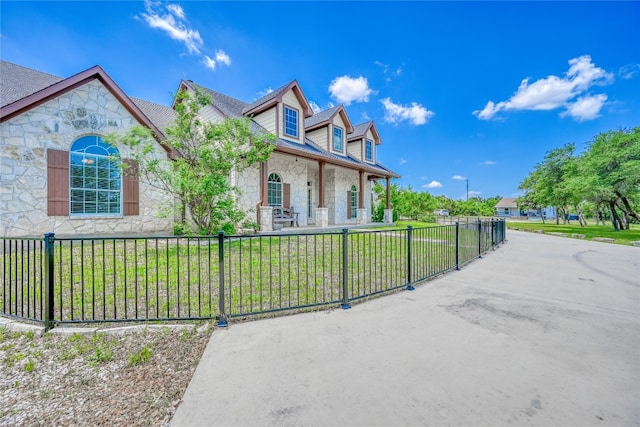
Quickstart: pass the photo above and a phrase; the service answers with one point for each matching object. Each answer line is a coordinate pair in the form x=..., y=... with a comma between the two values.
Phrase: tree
x=547, y=184
x=198, y=177
x=609, y=174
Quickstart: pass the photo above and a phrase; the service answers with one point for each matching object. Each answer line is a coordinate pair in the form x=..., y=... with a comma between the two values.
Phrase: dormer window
x=337, y=139
x=368, y=150
x=290, y=122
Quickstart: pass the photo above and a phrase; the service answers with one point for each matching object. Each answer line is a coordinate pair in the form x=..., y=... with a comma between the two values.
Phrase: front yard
x=624, y=237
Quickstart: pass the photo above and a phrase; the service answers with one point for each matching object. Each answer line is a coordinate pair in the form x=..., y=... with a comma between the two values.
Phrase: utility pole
x=467, y=188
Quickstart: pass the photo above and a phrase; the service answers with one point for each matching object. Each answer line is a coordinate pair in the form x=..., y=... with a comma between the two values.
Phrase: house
x=56, y=172
x=59, y=175
x=508, y=207
x=322, y=165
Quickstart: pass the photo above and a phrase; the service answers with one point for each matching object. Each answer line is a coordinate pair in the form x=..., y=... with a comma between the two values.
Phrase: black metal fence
x=77, y=280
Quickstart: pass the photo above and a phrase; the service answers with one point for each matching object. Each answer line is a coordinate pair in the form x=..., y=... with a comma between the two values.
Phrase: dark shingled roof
x=359, y=130
x=268, y=97
x=320, y=117
x=17, y=82
x=234, y=108
x=160, y=115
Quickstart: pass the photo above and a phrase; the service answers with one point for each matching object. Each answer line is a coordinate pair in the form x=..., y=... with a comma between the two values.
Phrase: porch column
x=264, y=177
x=361, y=191
x=264, y=214
x=361, y=214
x=321, y=203
x=322, y=212
x=388, y=212
x=388, y=206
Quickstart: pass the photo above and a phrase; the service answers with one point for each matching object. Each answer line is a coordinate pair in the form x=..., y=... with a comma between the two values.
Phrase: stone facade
x=302, y=176
x=90, y=109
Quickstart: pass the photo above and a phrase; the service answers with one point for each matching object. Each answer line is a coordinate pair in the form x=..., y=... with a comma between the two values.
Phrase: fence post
x=479, y=238
x=223, y=319
x=457, y=245
x=345, y=270
x=48, y=312
x=409, y=245
x=493, y=234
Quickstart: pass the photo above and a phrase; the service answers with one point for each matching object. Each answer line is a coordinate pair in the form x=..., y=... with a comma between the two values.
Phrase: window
x=95, y=177
x=291, y=122
x=354, y=202
x=274, y=190
x=368, y=150
x=337, y=139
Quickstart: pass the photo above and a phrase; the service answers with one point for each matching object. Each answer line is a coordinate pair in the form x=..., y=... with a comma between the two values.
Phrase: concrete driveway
x=544, y=331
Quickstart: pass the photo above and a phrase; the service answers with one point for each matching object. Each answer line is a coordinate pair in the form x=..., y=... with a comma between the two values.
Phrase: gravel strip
x=130, y=377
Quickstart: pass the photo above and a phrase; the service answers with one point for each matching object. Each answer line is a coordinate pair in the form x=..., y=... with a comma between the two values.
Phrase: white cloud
x=265, y=92
x=459, y=178
x=554, y=92
x=629, y=71
x=423, y=178
x=222, y=57
x=585, y=107
x=432, y=184
x=315, y=107
x=415, y=113
x=172, y=22
x=346, y=89
x=489, y=162
x=403, y=161
x=474, y=193
x=176, y=10
x=209, y=62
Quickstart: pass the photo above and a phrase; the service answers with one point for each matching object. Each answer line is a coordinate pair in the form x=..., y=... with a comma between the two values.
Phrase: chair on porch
x=285, y=216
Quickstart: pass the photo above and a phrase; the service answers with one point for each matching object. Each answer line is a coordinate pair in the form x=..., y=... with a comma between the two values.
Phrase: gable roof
x=230, y=107
x=507, y=202
x=23, y=89
x=17, y=82
x=360, y=131
x=273, y=97
x=324, y=118
x=161, y=115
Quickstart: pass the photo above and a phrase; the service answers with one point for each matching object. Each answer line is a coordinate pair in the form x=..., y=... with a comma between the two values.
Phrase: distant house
x=508, y=207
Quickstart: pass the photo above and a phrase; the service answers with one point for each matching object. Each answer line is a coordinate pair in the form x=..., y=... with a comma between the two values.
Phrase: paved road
x=543, y=331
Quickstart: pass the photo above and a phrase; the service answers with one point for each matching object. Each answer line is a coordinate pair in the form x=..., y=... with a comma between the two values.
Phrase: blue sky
x=458, y=90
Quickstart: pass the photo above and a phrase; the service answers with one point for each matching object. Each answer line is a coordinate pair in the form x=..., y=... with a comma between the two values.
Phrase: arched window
x=95, y=177
x=354, y=201
x=274, y=190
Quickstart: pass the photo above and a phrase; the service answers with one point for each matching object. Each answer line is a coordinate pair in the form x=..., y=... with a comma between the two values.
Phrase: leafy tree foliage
x=547, y=185
x=207, y=155
x=603, y=181
x=420, y=205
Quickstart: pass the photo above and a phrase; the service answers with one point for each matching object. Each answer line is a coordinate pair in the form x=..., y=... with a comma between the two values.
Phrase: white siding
x=291, y=100
x=355, y=149
x=320, y=137
x=210, y=114
x=267, y=119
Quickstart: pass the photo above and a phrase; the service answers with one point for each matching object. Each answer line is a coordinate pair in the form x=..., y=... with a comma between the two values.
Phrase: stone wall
x=87, y=110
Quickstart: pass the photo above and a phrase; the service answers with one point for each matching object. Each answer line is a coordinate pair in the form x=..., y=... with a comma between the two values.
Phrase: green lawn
x=624, y=237
x=180, y=277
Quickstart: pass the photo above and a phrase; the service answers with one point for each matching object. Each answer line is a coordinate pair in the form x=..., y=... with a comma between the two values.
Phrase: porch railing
x=79, y=280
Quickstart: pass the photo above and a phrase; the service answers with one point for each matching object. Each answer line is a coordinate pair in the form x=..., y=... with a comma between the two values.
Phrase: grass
x=180, y=277
x=623, y=237
x=140, y=357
